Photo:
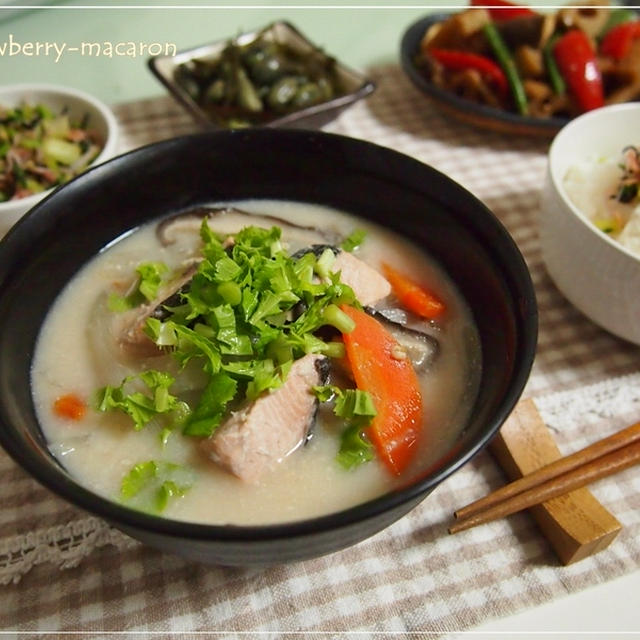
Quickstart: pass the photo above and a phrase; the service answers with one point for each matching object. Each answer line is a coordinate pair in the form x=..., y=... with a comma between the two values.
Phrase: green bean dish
x=256, y=82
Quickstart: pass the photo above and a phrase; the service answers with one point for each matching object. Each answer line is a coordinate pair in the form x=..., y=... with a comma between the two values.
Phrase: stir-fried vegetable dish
x=257, y=82
x=40, y=149
x=535, y=63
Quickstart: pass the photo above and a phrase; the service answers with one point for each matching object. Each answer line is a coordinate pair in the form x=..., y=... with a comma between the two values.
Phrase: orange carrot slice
x=70, y=406
x=380, y=367
x=413, y=296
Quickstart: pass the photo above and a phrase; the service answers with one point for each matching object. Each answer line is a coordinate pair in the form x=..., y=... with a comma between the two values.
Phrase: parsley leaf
x=211, y=408
x=150, y=485
x=140, y=406
x=249, y=311
x=354, y=240
x=150, y=277
x=355, y=406
x=355, y=449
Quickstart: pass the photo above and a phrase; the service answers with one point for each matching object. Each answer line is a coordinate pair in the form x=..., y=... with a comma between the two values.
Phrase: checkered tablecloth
x=62, y=570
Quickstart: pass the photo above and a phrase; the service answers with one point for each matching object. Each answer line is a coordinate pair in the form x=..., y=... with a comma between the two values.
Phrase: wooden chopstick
x=603, y=458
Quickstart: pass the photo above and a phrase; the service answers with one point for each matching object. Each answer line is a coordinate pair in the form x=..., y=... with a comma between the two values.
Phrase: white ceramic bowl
x=597, y=275
x=78, y=104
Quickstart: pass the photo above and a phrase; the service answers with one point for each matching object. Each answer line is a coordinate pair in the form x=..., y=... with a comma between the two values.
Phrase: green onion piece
x=558, y=84
x=508, y=65
x=326, y=392
x=334, y=350
x=61, y=150
x=58, y=127
x=226, y=269
x=230, y=292
x=162, y=333
x=280, y=350
x=354, y=240
x=337, y=318
x=204, y=330
x=325, y=262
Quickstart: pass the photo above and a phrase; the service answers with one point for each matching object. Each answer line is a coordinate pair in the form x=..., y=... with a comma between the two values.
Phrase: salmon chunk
x=368, y=285
x=255, y=439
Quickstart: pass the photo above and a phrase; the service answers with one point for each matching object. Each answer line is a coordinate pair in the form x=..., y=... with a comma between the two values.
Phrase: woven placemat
x=412, y=577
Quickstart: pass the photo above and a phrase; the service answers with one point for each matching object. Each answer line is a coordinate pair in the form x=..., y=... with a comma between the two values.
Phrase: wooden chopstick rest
x=598, y=460
x=577, y=477
x=575, y=523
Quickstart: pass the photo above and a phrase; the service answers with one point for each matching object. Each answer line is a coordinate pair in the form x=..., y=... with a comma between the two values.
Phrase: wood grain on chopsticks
x=603, y=458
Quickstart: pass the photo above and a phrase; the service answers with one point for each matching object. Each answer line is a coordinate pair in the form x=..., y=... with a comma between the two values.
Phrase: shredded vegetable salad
x=40, y=149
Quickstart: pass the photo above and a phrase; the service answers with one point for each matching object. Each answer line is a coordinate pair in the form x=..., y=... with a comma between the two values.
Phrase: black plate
x=52, y=242
x=470, y=112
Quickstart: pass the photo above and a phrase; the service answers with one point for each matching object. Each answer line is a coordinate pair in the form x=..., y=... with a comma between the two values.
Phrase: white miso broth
x=76, y=354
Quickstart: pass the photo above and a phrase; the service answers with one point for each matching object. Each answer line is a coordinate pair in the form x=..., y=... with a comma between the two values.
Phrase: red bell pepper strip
x=412, y=296
x=380, y=367
x=461, y=60
x=617, y=42
x=577, y=63
x=501, y=10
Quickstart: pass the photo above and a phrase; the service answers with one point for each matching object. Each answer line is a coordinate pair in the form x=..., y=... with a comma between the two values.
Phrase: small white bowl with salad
x=48, y=135
x=590, y=217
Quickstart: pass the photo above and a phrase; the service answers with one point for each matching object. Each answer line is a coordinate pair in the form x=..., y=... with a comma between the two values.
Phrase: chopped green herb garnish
x=355, y=449
x=150, y=485
x=252, y=308
x=249, y=311
x=357, y=408
x=142, y=406
x=150, y=277
x=353, y=240
x=354, y=404
x=212, y=406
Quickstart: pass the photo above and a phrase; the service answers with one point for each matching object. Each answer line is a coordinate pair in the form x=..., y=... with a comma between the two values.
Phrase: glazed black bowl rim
x=61, y=483
x=408, y=49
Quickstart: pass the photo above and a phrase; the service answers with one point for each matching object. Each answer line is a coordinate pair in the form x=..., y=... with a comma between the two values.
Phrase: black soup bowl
x=62, y=233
